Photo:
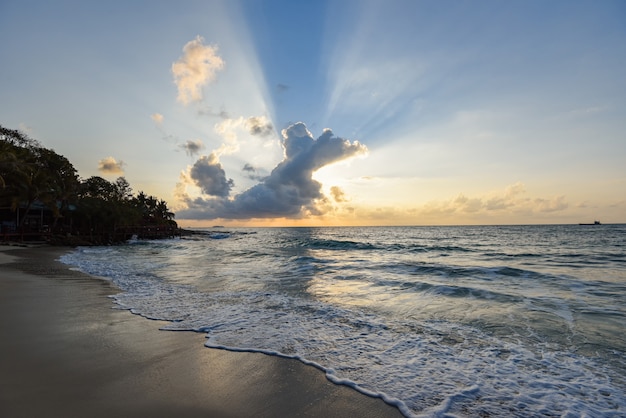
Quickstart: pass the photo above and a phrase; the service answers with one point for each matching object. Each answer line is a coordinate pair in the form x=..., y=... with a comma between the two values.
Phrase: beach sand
x=65, y=351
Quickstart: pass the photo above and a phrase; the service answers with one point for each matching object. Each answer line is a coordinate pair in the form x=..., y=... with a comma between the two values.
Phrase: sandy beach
x=65, y=351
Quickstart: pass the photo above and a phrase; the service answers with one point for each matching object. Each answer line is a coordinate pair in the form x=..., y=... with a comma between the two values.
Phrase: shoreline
x=66, y=351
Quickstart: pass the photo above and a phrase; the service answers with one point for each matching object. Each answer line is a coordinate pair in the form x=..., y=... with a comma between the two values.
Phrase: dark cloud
x=290, y=190
x=259, y=126
x=252, y=173
x=208, y=174
x=192, y=147
x=208, y=111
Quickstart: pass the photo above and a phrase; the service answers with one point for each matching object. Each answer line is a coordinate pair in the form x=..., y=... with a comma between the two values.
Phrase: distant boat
x=594, y=223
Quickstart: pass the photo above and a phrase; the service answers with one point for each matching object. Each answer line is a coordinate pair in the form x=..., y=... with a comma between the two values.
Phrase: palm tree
x=163, y=213
x=30, y=173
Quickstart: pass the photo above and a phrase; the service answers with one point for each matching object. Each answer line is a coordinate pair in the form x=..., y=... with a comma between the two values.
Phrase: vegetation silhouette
x=43, y=197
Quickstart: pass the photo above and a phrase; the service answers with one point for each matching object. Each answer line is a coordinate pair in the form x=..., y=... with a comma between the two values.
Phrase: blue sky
x=447, y=112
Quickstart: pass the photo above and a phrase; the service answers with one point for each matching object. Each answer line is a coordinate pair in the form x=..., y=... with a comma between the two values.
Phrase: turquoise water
x=440, y=321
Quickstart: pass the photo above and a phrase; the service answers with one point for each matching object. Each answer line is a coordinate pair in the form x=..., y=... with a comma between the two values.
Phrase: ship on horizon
x=594, y=223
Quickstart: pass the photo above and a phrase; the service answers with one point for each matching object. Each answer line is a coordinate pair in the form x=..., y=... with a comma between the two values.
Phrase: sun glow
x=455, y=105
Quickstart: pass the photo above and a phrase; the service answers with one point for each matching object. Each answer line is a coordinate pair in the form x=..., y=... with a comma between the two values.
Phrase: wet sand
x=65, y=351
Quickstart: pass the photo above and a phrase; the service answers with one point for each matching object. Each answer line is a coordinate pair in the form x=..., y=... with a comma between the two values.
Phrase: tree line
x=34, y=178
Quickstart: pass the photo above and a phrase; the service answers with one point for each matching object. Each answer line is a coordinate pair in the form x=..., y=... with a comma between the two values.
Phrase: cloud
x=207, y=173
x=157, y=118
x=259, y=125
x=197, y=67
x=512, y=199
x=503, y=206
x=192, y=147
x=290, y=190
x=108, y=165
x=338, y=194
x=555, y=204
x=209, y=111
x=252, y=172
x=229, y=130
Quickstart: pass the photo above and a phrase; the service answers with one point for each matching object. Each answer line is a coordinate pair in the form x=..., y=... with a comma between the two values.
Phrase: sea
x=448, y=321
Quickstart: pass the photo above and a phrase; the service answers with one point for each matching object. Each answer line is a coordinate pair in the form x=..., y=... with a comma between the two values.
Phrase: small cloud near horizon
x=109, y=165
x=512, y=199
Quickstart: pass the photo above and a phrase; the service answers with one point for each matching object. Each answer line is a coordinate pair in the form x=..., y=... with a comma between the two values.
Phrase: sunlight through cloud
x=289, y=191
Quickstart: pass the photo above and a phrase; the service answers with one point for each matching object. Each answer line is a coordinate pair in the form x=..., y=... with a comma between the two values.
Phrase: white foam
x=433, y=367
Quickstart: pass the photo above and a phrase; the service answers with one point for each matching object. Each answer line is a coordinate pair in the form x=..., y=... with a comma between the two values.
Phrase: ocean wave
x=469, y=333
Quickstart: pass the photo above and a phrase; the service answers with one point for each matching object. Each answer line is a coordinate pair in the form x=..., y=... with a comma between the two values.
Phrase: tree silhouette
x=95, y=207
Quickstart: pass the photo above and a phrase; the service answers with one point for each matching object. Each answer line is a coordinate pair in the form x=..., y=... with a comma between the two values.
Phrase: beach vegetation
x=41, y=194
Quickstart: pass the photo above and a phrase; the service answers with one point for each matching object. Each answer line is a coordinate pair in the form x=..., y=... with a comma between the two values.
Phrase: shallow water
x=441, y=321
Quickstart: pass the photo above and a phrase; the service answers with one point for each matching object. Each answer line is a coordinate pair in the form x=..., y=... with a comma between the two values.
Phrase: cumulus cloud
x=207, y=173
x=192, y=147
x=109, y=165
x=197, y=67
x=290, y=190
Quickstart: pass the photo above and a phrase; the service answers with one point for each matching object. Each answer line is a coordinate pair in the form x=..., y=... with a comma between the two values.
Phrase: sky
x=311, y=113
